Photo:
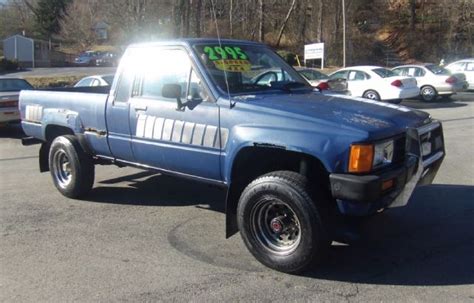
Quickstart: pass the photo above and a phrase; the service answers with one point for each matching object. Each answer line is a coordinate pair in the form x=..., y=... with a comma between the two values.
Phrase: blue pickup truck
x=291, y=159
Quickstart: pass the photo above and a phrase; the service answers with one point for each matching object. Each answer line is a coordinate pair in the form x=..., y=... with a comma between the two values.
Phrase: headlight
x=383, y=153
x=365, y=157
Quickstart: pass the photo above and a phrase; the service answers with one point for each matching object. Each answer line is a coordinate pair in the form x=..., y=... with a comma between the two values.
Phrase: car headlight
x=383, y=153
x=365, y=157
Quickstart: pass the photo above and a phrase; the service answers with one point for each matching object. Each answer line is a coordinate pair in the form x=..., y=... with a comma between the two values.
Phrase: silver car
x=433, y=80
x=466, y=67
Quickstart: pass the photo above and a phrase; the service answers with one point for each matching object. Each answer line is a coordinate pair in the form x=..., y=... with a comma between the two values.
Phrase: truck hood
x=379, y=119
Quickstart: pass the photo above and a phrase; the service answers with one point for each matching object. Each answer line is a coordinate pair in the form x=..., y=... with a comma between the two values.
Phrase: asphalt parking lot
x=141, y=236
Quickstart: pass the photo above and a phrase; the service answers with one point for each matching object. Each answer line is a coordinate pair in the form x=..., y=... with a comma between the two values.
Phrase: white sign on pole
x=314, y=51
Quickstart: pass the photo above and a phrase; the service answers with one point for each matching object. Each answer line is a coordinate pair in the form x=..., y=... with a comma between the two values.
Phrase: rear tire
x=428, y=93
x=71, y=168
x=372, y=95
x=281, y=225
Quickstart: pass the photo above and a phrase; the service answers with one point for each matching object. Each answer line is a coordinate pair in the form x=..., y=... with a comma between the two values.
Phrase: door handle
x=144, y=108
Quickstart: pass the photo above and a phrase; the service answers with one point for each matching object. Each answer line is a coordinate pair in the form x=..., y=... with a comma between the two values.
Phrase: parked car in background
x=433, y=80
x=99, y=80
x=322, y=82
x=87, y=58
x=9, y=93
x=318, y=80
x=377, y=83
x=107, y=59
x=466, y=67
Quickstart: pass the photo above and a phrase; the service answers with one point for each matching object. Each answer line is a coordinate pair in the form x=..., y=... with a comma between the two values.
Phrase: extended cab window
x=124, y=87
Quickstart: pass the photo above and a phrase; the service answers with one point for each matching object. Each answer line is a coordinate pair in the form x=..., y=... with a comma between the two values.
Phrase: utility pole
x=343, y=33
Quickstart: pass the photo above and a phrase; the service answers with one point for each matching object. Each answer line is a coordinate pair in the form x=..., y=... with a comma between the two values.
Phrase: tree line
x=412, y=29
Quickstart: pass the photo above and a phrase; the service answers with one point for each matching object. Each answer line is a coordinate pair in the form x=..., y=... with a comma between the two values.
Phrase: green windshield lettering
x=210, y=53
x=222, y=53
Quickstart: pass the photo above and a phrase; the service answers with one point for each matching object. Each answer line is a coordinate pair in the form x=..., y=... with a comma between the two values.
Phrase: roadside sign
x=314, y=51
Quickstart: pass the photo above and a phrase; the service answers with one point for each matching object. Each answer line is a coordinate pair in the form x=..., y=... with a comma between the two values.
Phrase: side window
x=470, y=67
x=411, y=72
x=356, y=76
x=95, y=82
x=419, y=72
x=339, y=75
x=267, y=78
x=458, y=66
x=84, y=82
x=196, y=89
x=400, y=71
x=165, y=67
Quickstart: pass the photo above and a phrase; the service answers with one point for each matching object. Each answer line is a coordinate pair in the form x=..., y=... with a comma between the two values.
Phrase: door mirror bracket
x=173, y=91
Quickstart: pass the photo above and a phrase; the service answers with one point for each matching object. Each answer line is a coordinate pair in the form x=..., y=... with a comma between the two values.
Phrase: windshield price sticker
x=233, y=65
x=228, y=58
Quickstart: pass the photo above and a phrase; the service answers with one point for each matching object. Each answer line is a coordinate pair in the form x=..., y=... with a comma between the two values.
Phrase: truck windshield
x=244, y=69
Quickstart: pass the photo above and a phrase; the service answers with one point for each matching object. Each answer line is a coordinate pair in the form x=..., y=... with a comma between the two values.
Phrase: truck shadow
x=151, y=189
x=428, y=242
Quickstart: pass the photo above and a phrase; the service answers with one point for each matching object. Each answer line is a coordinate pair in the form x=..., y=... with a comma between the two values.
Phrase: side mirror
x=173, y=91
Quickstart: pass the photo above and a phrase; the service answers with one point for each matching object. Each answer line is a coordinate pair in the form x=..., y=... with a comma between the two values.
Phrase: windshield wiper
x=287, y=85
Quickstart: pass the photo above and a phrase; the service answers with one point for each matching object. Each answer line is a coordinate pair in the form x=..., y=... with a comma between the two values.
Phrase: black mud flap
x=232, y=199
x=44, y=157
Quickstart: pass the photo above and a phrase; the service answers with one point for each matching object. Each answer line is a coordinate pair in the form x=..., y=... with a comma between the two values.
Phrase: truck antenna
x=231, y=104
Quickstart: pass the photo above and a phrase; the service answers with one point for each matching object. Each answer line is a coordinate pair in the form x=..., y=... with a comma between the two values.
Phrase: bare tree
x=283, y=25
x=78, y=27
x=261, y=33
x=231, y=15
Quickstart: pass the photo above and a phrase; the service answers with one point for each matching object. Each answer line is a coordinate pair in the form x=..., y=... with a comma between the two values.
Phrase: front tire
x=428, y=93
x=280, y=223
x=71, y=168
x=372, y=95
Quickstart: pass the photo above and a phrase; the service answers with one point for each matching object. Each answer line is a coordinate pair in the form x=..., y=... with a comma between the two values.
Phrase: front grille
x=431, y=140
x=399, y=150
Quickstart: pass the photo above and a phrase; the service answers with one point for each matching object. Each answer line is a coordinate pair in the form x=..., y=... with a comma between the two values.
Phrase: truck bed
x=80, y=110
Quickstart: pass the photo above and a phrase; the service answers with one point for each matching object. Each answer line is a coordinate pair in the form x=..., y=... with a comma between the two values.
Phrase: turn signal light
x=361, y=158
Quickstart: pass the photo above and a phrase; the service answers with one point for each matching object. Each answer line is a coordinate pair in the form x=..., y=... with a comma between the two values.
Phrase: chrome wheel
x=372, y=95
x=275, y=226
x=62, y=168
x=428, y=93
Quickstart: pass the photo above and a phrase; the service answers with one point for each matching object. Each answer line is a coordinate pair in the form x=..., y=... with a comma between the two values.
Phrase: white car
x=377, y=83
x=99, y=80
x=433, y=80
x=466, y=67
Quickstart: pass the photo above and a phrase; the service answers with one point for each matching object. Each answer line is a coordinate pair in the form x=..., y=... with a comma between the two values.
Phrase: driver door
x=183, y=140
